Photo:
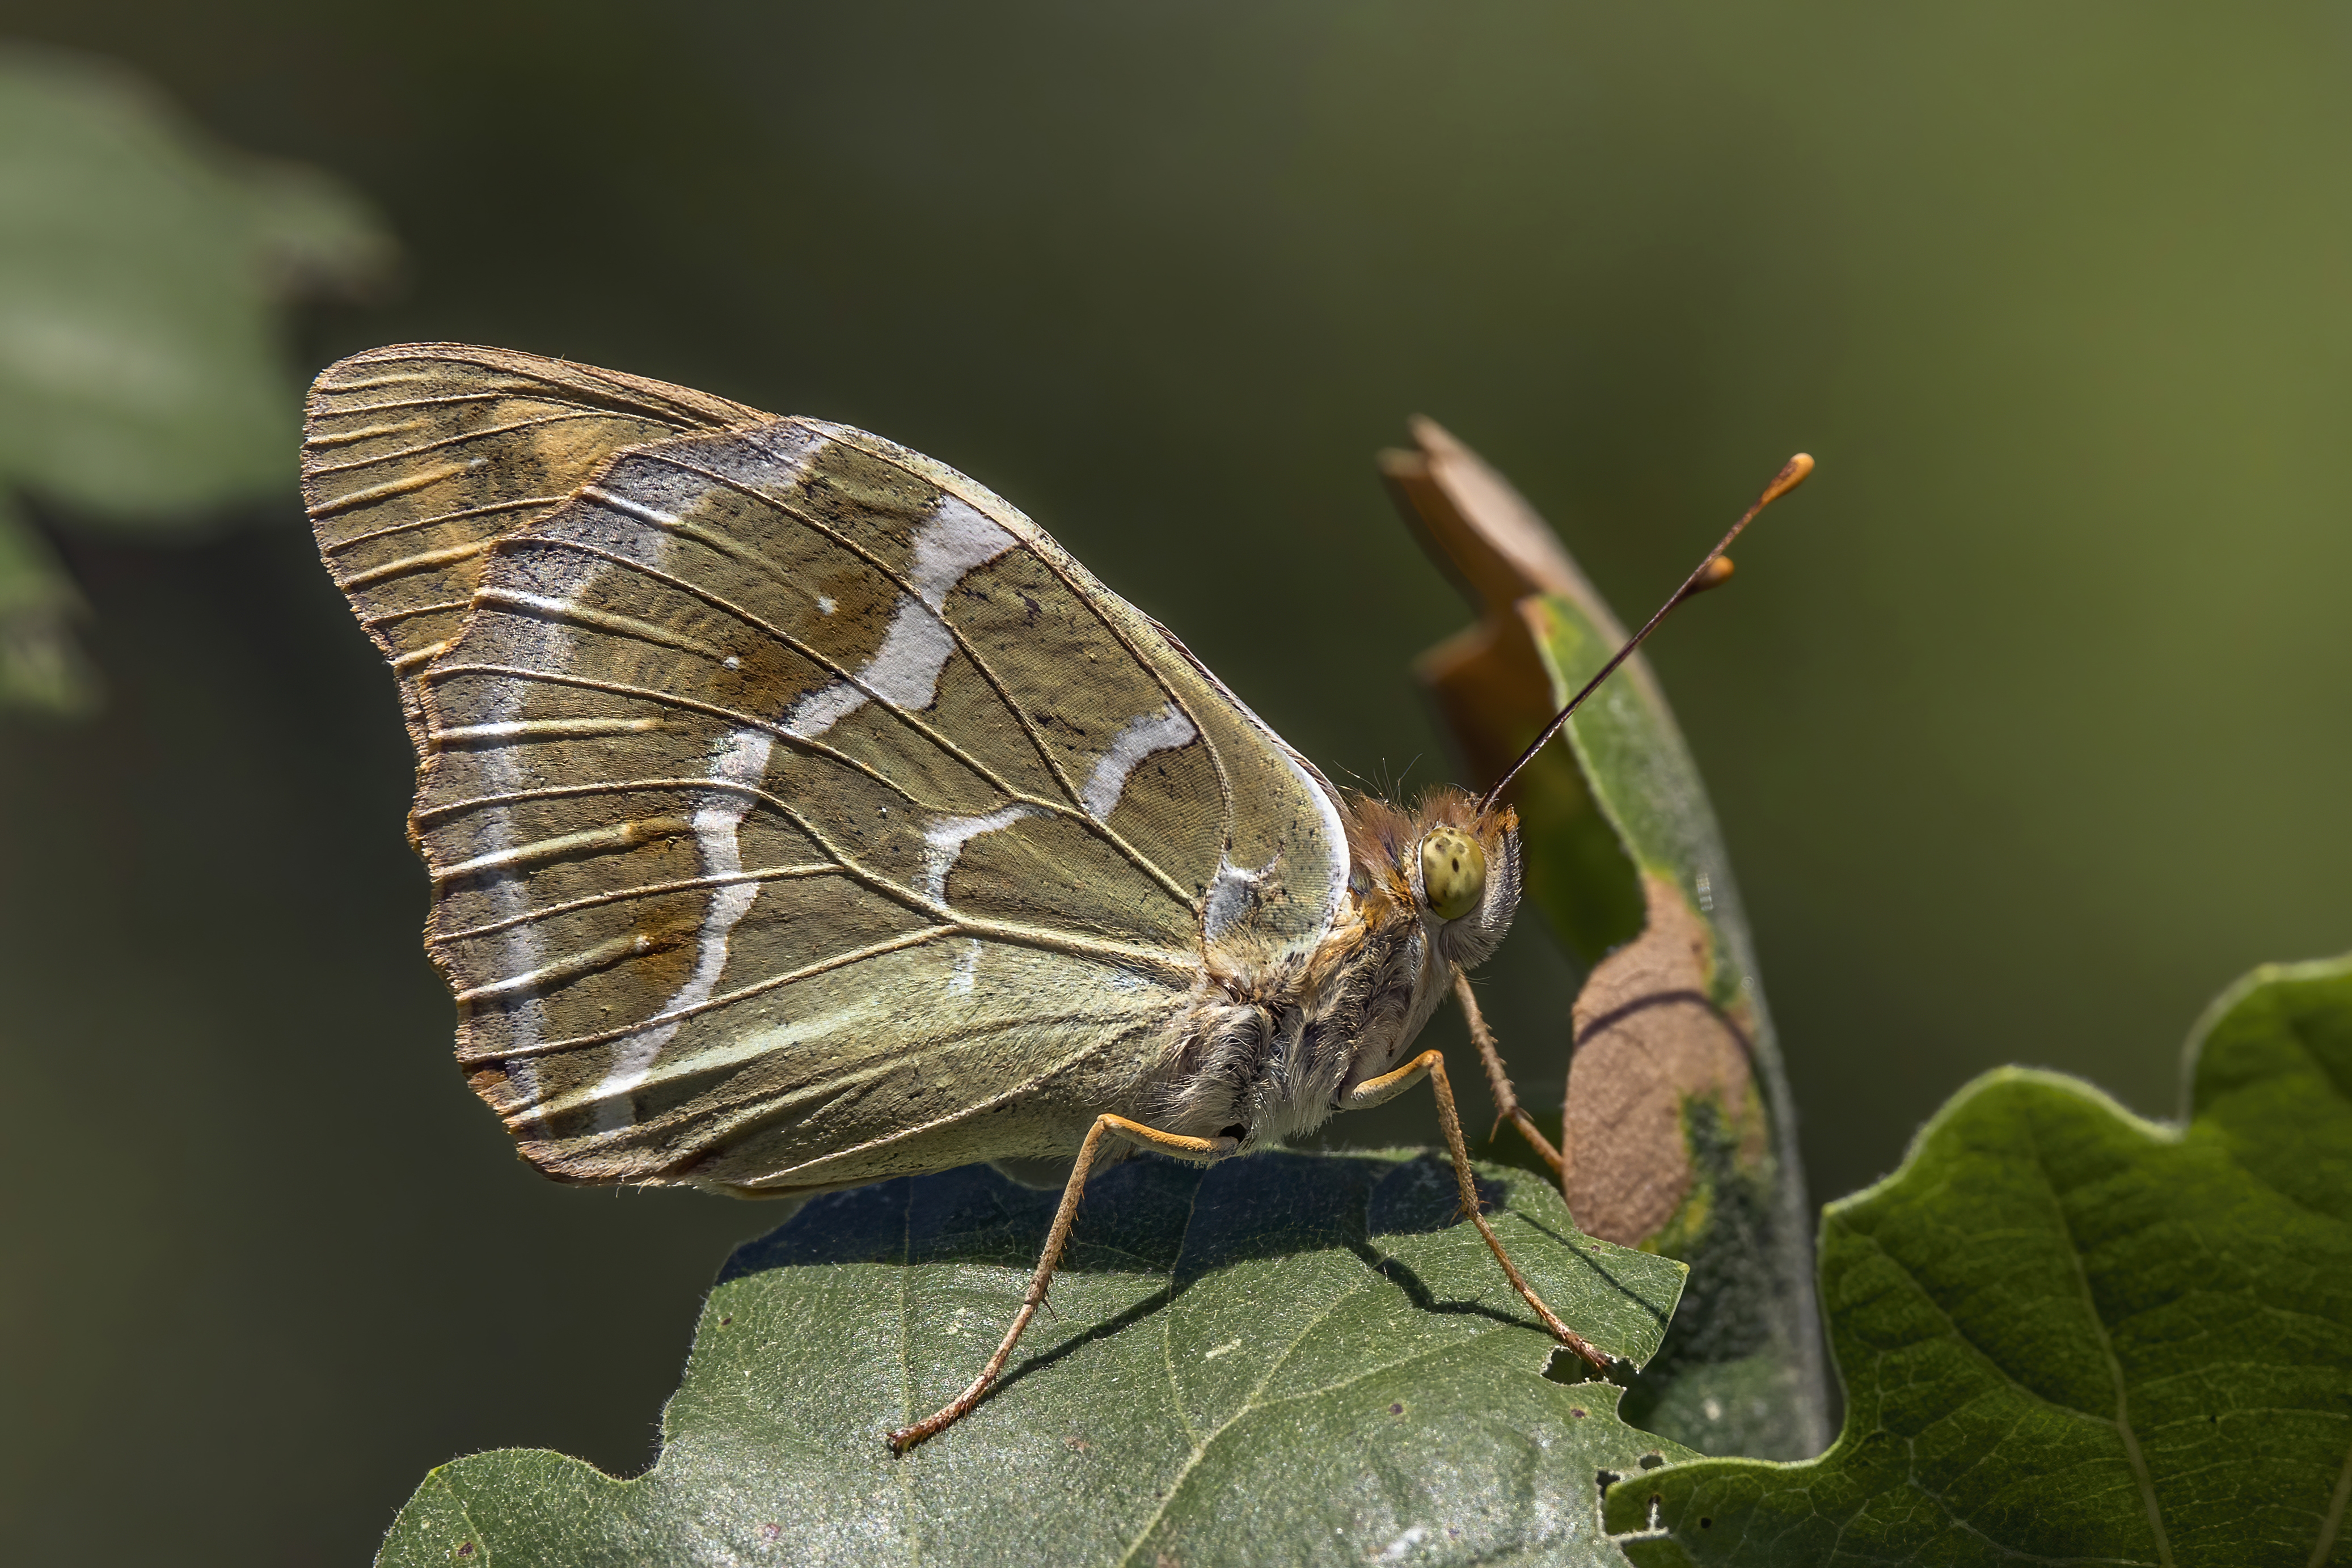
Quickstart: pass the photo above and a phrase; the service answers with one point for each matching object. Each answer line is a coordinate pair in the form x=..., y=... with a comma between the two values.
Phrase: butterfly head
x=1446, y=865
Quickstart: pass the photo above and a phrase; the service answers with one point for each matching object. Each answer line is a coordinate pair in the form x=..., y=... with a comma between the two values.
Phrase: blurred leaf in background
x=145, y=381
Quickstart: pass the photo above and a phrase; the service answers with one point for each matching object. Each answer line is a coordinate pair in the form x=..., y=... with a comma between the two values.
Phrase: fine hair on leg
x=1506, y=1100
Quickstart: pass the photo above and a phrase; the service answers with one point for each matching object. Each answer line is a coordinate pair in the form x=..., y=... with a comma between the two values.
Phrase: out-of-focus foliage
x=143, y=375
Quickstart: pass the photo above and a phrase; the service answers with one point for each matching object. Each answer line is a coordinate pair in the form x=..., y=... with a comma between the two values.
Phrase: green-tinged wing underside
x=799, y=813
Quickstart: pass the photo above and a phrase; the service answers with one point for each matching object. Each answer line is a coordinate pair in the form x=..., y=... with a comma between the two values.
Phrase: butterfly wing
x=800, y=814
x=415, y=460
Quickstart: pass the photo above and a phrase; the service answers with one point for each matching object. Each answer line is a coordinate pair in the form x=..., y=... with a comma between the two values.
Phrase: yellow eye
x=1453, y=873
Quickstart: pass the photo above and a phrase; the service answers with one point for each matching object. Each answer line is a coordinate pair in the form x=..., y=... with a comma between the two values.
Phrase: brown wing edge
x=404, y=532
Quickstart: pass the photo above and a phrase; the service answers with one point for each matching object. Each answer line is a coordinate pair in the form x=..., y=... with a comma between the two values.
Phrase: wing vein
x=735, y=717
x=889, y=888
x=1088, y=598
x=766, y=1109
x=1174, y=969
x=900, y=943
x=645, y=890
x=1076, y=810
x=905, y=587
x=405, y=402
x=424, y=814
x=806, y=651
x=523, y=504
x=459, y=439
x=438, y=607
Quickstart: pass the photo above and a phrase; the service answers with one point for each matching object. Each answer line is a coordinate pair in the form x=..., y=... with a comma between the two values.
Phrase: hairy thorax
x=1268, y=1051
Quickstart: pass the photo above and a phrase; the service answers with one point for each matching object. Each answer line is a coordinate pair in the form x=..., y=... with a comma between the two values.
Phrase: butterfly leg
x=1506, y=1099
x=1430, y=1064
x=1106, y=1127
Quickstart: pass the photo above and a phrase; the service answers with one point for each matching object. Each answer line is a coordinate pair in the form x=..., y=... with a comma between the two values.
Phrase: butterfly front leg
x=1430, y=1064
x=1106, y=1127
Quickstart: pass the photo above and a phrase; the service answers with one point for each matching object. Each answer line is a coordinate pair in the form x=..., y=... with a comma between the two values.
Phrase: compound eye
x=1453, y=873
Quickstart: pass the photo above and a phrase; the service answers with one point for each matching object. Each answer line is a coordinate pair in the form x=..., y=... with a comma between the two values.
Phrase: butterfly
x=800, y=815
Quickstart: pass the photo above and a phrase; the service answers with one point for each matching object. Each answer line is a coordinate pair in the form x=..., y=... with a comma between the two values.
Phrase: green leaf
x=42, y=669
x=143, y=383
x=2072, y=1335
x=1679, y=1126
x=143, y=378
x=1678, y=1129
x=1288, y=1358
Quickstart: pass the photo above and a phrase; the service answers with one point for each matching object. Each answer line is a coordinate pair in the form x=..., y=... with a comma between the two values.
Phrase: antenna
x=1711, y=572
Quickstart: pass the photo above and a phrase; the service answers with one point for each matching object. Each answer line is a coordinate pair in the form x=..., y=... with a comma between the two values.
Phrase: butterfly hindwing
x=800, y=814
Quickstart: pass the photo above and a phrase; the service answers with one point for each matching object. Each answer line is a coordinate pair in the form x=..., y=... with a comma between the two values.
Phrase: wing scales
x=802, y=813
x=417, y=459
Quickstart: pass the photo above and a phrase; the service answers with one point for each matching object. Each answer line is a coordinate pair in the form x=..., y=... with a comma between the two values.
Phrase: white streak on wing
x=905, y=671
x=543, y=728
x=824, y=708
x=1327, y=808
x=519, y=951
x=636, y=509
x=944, y=840
x=772, y=460
x=960, y=983
x=1140, y=737
x=824, y=602
x=955, y=541
x=741, y=759
x=1232, y=892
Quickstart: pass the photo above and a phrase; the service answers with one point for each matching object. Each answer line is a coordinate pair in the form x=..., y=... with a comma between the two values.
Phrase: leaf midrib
x=2107, y=1352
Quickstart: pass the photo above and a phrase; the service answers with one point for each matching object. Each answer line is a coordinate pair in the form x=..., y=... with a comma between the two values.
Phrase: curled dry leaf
x=1678, y=1132
x=1490, y=682
x=1649, y=1036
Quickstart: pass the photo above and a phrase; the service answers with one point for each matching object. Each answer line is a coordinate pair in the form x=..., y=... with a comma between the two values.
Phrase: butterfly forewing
x=800, y=814
x=415, y=459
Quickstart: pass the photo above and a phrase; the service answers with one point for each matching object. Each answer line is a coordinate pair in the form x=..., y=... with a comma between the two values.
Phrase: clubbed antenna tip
x=1711, y=572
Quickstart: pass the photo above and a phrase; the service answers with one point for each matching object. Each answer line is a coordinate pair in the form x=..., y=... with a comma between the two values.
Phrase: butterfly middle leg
x=1430, y=1064
x=1106, y=1127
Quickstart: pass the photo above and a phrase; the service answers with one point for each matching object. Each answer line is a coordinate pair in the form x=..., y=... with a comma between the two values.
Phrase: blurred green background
x=2025, y=718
